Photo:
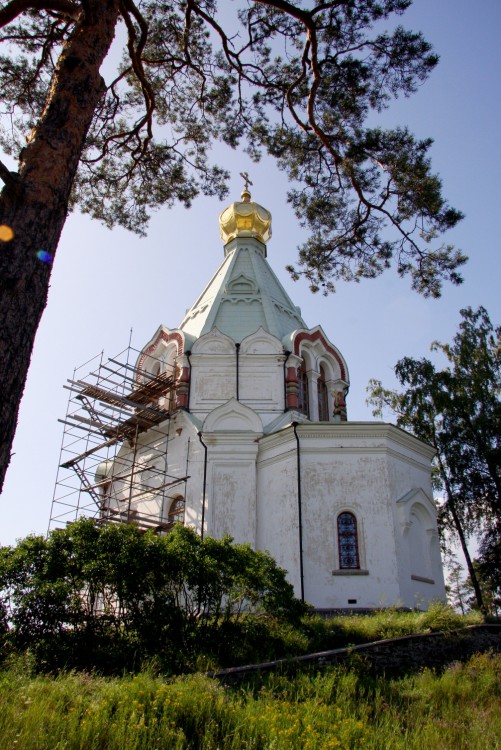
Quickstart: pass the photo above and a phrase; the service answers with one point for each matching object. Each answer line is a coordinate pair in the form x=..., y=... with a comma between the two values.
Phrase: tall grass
x=336, y=632
x=267, y=640
x=339, y=708
x=251, y=639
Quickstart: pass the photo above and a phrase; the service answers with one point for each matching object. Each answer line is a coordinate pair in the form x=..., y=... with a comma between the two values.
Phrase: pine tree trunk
x=34, y=203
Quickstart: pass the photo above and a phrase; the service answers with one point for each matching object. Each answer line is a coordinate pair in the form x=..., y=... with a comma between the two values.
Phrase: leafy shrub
x=112, y=597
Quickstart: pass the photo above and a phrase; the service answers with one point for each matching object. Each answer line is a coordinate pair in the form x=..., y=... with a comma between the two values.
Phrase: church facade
x=258, y=444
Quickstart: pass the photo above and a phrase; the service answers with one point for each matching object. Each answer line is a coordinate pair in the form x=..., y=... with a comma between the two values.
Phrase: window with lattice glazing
x=347, y=541
x=176, y=512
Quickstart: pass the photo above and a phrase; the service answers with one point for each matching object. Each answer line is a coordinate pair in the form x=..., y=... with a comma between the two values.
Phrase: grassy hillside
x=270, y=639
x=336, y=632
x=339, y=708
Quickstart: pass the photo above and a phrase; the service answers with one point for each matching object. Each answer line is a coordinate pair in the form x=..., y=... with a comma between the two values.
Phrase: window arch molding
x=165, y=347
x=163, y=360
x=162, y=365
x=316, y=341
x=176, y=507
x=308, y=357
x=325, y=362
x=318, y=380
x=317, y=353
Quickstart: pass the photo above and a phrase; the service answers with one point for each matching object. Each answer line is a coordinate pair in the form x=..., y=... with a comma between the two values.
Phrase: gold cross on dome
x=247, y=181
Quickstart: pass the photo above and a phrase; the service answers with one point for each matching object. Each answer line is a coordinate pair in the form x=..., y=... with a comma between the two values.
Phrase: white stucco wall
x=378, y=473
x=346, y=467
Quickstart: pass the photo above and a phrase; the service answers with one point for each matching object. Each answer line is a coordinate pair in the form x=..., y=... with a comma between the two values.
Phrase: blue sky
x=106, y=282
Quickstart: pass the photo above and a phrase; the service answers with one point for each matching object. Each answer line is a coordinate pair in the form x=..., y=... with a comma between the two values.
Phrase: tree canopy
x=458, y=410
x=303, y=83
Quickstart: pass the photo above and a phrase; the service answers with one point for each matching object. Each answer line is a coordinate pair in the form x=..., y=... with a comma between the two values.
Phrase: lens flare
x=44, y=256
x=6, y=233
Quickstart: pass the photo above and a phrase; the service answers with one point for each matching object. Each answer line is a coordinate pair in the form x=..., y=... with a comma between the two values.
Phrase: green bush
x=112, y=598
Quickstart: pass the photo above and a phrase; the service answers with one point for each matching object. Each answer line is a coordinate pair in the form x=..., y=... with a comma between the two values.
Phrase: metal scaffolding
x=114, y=454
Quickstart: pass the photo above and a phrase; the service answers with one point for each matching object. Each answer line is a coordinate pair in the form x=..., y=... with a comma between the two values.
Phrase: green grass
x=322, y=634
x=341, y=707
x=266, y=640
x=338, y=708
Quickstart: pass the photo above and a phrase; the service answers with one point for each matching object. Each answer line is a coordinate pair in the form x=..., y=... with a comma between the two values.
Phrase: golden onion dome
x=245, y=219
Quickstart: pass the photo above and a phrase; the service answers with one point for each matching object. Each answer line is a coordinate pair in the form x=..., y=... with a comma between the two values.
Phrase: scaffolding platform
x=111, y=403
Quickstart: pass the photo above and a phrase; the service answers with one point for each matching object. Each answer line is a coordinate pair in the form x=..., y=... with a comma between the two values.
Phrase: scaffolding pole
x=114, y=454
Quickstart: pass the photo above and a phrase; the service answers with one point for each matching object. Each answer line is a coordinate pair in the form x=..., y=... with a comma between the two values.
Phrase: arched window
x=160, y=374
x=347, y=541
x=303, y=399
x=323, y=400
x=176, y=512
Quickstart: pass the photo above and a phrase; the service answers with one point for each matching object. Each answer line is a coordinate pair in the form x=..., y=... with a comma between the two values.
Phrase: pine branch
x=135, y=48
x=12, y=180
x=16, y=7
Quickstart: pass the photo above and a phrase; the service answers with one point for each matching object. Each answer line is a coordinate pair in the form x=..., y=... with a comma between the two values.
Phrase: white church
x=252, y=439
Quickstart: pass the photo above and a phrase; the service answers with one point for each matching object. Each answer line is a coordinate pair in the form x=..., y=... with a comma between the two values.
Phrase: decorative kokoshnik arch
x=164, y=356
x=317, y=377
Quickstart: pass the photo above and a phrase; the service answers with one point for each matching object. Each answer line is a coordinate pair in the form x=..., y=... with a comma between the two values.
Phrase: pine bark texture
x=34, y=203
